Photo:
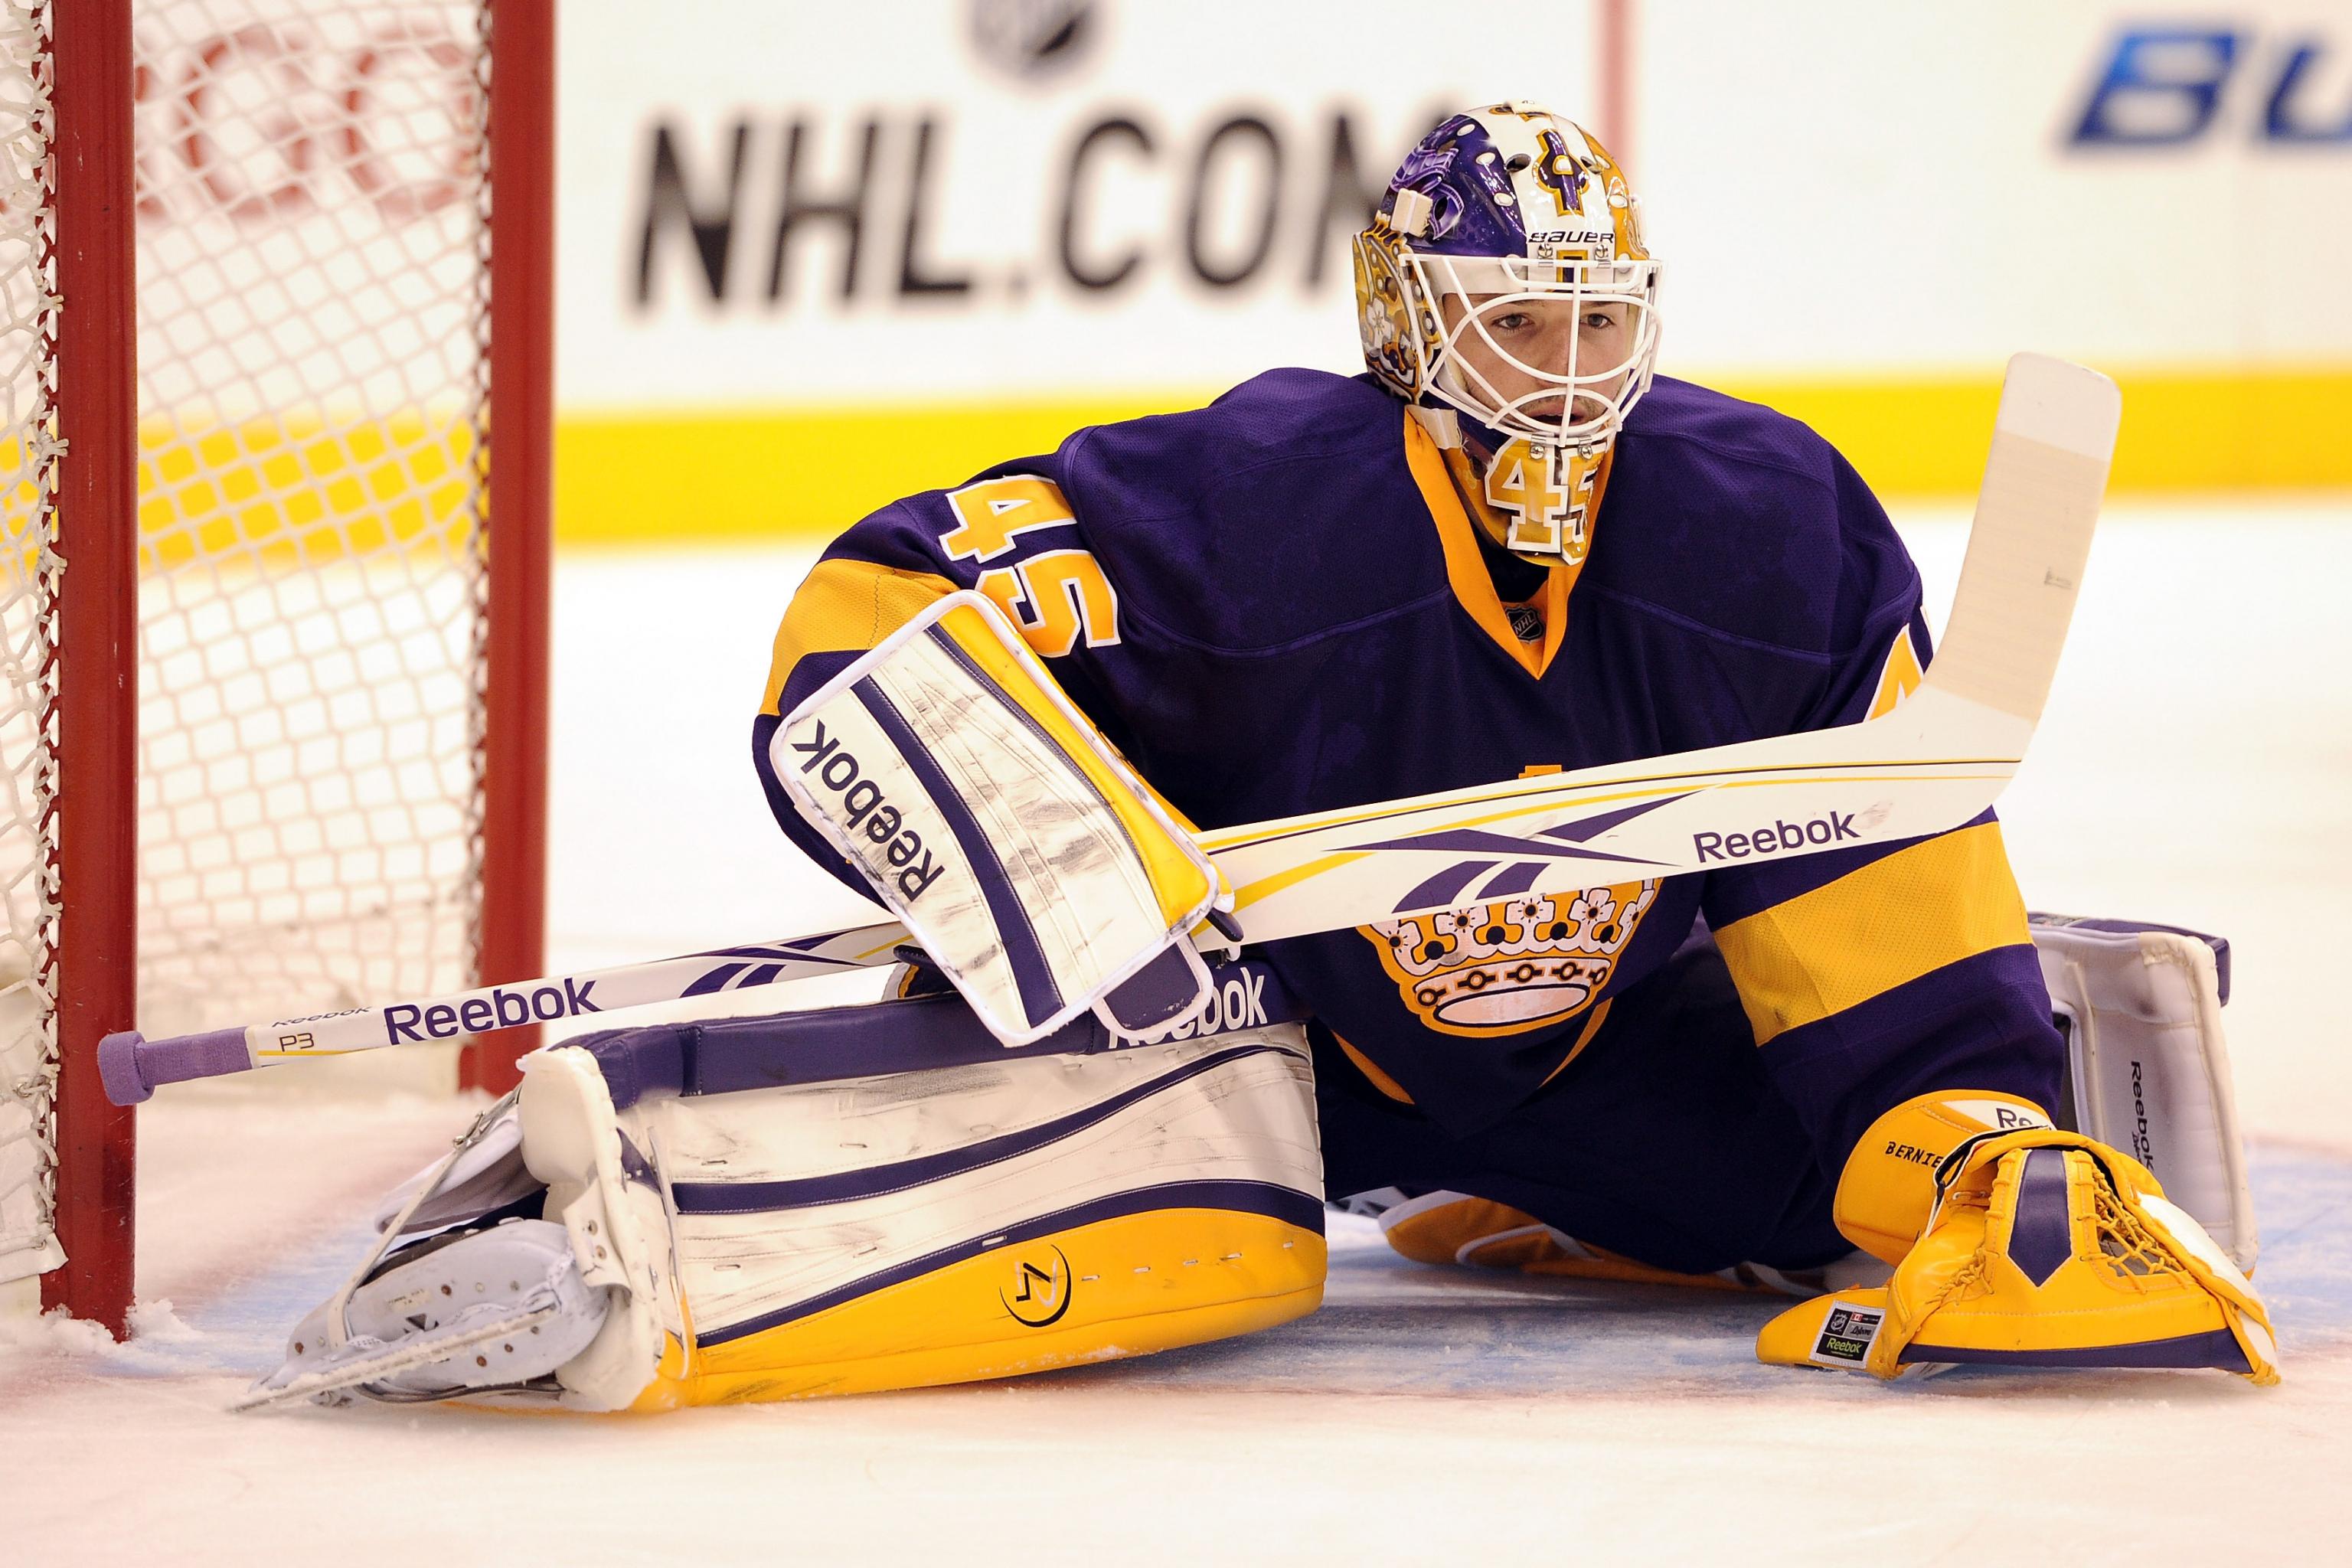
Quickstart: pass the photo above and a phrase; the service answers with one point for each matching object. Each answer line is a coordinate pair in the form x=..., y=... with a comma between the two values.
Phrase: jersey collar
x=1465, y=572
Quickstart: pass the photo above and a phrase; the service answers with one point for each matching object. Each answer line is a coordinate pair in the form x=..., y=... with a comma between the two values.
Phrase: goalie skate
x=468, y=1312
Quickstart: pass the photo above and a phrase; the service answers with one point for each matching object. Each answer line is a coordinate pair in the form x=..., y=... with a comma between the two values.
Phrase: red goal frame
x=93, y=830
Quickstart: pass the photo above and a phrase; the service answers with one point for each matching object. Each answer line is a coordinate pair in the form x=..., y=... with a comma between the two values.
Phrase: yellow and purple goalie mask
x=1504, y=278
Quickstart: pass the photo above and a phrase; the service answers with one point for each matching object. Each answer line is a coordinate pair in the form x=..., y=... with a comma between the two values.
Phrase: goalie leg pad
x=2141, y=1007
x=1450, y=1227
x=973, y=1220
x=1037, y=872
x=965, y=1214
x=989, y=1220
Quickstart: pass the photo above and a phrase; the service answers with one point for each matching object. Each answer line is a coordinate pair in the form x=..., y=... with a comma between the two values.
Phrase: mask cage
x=1594, y=397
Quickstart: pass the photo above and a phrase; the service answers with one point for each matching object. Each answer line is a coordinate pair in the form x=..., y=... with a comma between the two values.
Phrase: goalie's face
x=1553, y=351
x=1559, y=361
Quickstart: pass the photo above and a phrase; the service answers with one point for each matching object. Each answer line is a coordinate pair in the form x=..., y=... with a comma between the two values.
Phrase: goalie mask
x=1505, y=278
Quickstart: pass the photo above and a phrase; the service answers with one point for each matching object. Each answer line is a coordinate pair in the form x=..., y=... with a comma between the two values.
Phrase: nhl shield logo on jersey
x=1512, y=965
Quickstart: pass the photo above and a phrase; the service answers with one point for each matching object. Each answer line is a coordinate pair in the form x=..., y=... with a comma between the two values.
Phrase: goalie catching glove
x=1038, y=872
x=2034, y=1247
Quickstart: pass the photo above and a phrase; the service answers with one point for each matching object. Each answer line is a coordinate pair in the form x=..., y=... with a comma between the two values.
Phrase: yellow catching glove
x=2039, y=1248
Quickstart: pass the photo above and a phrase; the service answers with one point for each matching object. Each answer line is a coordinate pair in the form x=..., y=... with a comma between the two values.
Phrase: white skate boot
x=469, y=1312
x=496, y=1300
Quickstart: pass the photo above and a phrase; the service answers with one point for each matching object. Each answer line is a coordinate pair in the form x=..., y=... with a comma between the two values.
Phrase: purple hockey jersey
x=1278, y=605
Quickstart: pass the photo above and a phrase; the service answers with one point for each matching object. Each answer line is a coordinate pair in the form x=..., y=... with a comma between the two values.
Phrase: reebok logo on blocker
x=862, y=810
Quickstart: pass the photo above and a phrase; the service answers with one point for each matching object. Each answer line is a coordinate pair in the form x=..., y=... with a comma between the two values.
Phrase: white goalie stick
x=1939, y=758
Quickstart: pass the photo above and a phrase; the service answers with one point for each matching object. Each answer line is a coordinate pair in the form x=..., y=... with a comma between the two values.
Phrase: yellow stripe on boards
x=296, y=490
x=1907, y=914
x=644, y=477
x=632, y=478
x=308, y=490
x=2267, y=427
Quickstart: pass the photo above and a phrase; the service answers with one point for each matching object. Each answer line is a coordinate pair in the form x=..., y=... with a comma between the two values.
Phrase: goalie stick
x=1937, y=760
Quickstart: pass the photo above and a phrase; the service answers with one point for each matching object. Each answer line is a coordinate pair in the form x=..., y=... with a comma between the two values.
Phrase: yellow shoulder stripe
x=846, y=606
x=1933, y=903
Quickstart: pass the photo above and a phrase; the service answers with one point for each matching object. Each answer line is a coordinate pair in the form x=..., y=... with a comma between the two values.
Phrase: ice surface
x=2195, y=767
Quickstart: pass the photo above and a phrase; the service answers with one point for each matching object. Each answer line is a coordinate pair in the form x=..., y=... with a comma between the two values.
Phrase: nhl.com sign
x=1095, y=194
x=803, y=207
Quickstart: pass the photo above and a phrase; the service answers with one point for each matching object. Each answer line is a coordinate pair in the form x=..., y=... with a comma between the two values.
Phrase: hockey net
x=314, y=332
x=28, y=575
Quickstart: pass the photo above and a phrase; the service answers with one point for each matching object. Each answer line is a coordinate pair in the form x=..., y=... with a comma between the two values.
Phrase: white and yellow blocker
x=992, y=817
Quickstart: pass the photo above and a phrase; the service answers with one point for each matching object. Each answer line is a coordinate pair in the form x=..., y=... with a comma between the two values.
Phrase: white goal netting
x=311, y=330
x=27, y=588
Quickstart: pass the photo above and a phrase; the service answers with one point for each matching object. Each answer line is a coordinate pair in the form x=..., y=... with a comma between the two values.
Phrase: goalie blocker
x=1040, y=874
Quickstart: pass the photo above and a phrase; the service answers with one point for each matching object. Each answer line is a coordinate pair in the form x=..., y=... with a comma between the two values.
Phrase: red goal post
x=277, y=317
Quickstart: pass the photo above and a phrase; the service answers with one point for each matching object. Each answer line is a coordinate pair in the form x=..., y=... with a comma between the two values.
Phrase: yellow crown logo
x=1512, y=965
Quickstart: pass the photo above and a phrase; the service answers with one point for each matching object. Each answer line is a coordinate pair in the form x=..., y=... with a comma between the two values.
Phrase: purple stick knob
x=131, y=1067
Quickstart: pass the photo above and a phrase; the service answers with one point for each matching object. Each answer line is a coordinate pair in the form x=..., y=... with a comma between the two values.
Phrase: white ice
x=2195, y=767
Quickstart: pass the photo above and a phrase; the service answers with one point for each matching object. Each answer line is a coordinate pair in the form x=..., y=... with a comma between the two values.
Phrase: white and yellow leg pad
x=935, y=1227
x=2043, y=1248
x=2141, y=1005
x=1037, y=872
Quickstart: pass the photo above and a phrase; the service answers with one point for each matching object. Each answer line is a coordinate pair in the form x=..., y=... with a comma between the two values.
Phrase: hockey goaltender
x=1846, y=1069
